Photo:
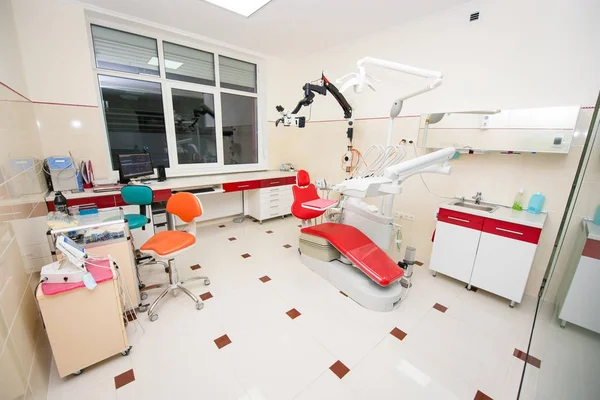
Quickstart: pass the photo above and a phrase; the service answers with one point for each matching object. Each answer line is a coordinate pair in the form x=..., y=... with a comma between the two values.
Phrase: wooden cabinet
x=487, y=253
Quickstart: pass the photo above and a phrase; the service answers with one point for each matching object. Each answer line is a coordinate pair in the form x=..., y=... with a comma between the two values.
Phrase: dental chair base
x=356, y=284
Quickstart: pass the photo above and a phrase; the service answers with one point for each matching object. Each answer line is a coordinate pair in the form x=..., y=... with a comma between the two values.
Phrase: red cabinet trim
x=461, y=219
x=291, y=180
x=265, y=183
x=512, y=231
x=238, y=186
x=592, y=249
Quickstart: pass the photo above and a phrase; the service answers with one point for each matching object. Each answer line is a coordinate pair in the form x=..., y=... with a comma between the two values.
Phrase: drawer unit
x=270, y=202
x=265, y=183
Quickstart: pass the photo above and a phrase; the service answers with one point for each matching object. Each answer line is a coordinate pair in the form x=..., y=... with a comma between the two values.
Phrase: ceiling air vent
x=474, y=16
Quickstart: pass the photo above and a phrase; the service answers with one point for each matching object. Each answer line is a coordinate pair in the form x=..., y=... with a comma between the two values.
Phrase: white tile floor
x=450, y=355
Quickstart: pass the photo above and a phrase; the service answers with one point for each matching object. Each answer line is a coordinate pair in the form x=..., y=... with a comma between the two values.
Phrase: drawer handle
x=243, y=186
x=274, y=206
x=509, y=231
x=274, y=183
x=466, y=221
x=273, y=200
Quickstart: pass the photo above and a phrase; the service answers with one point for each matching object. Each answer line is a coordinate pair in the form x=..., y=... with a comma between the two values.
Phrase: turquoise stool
x=142, y=196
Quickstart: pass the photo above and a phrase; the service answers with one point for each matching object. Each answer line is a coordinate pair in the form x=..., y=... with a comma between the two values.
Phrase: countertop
x=593, y=230
x=189, y=182
x=503, y=214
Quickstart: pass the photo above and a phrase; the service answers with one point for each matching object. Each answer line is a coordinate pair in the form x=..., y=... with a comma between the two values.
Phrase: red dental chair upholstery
x=304, y=191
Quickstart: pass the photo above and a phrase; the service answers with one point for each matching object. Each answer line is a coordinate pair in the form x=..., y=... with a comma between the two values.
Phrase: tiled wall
x=319, y=147
x=25, y=354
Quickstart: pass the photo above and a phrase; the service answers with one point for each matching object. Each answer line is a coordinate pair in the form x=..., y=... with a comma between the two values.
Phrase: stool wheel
x=199, y=306
x=143, y=295
x=143, y=308
x=153, y=317
x=78, y=372
x=207, y=282
x=126, y=351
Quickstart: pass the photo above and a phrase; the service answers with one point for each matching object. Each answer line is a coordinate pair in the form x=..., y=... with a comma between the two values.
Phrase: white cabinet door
x=502, y=266
x=504, y=258
x=581, y=304
x=455, y=246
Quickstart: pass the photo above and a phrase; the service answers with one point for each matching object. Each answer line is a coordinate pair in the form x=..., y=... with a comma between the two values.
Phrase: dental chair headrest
x=302, y=179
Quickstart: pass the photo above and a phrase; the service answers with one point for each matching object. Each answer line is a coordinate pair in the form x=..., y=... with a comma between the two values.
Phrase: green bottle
x=518, y=203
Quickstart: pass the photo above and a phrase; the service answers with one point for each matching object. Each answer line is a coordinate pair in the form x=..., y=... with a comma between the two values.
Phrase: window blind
x=236, y=74
x=189, y=65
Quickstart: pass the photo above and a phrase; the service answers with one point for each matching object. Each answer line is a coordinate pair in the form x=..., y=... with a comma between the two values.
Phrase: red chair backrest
x=304, y=191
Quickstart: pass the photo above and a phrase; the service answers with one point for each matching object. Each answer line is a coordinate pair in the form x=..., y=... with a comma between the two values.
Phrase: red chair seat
x=168, y=242
x=359, y=249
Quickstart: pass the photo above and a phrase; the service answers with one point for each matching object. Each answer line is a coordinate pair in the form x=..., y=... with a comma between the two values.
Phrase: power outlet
x=401, y=215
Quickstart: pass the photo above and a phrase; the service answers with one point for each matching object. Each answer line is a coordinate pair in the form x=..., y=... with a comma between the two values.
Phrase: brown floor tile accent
x=481, y=396
x=221, y=226
x=231, y=239
x=124, y=378
x=222, y=341
x=343, y=294
x=419, y=263
x=440, y=307
x=246, y=255
x=130, y=315
x=265, y=279
x=269, y=232
x=195, y=267
x=148, y=287
x=287, y=246
x=293, y=313
x=206, y=296
x=398, y=334
x=536, y=362
x=339, y=369
x=473, y=288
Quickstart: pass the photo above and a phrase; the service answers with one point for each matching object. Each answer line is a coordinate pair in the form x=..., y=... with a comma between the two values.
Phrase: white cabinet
x=269, y=202
x=579, y=292
x=455, y=246
x=490, y=254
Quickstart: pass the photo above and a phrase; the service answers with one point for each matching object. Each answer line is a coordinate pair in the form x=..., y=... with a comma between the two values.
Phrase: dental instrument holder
x=66, y=271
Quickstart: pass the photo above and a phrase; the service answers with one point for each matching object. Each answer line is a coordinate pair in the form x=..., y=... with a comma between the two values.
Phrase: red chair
x=304, y=191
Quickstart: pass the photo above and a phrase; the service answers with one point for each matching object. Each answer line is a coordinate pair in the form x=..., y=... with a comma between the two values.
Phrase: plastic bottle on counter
x=60, y=203
x=518, y=203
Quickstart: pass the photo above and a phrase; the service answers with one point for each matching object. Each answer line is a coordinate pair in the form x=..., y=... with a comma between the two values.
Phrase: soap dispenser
x=536, y=202
x=518, y=203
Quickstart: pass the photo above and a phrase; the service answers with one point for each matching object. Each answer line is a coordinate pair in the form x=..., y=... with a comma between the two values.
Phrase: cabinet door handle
x=243, y=186
x=466, y=221
x=509, y=231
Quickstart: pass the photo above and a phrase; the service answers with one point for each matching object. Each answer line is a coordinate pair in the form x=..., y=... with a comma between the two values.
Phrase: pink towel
x=99, y=274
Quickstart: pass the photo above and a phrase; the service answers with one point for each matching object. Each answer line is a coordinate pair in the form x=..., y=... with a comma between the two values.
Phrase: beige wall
x=507, y=59
x=25, y=354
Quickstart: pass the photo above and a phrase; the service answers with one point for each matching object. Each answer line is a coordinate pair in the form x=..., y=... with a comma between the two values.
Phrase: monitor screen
x=135, y=165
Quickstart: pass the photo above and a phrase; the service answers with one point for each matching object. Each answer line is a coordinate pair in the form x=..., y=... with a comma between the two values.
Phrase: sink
x=480, y=207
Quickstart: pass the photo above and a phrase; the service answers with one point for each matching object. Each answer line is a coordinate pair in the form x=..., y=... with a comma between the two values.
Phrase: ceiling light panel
x=242, y=7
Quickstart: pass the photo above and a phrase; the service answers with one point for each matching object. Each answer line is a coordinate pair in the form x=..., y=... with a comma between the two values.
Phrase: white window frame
x=175, y=169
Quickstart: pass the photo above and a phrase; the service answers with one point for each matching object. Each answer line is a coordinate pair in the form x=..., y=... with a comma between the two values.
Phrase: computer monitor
x=134, y=165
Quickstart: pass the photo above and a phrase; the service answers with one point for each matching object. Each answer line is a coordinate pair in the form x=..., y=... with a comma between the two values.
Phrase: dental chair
x=166, y=245
x=304, y=191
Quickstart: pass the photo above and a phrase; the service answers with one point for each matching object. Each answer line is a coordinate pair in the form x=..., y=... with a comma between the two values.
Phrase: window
x=122, y=51
x=240, y=144
x=193, y=110
x=189, y=65
x=194, y=118
x=135, y=119
x=236, y=74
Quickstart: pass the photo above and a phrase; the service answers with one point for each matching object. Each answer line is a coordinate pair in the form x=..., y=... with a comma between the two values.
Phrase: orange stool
x=167, y=245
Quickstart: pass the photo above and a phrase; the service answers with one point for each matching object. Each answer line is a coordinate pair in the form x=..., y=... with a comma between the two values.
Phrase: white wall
x=519, y=54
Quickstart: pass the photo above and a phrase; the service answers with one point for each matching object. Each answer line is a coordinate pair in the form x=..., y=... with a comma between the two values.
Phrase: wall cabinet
x=487, y=253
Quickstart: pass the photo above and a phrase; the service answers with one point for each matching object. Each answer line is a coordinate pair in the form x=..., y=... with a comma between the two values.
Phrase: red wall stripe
x=28, y=100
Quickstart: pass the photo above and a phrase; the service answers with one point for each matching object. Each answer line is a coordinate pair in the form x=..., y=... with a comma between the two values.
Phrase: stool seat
x=167, y=242
x=136, y=220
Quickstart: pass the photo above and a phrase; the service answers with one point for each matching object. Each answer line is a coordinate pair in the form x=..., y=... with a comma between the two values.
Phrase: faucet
x=477, y=198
